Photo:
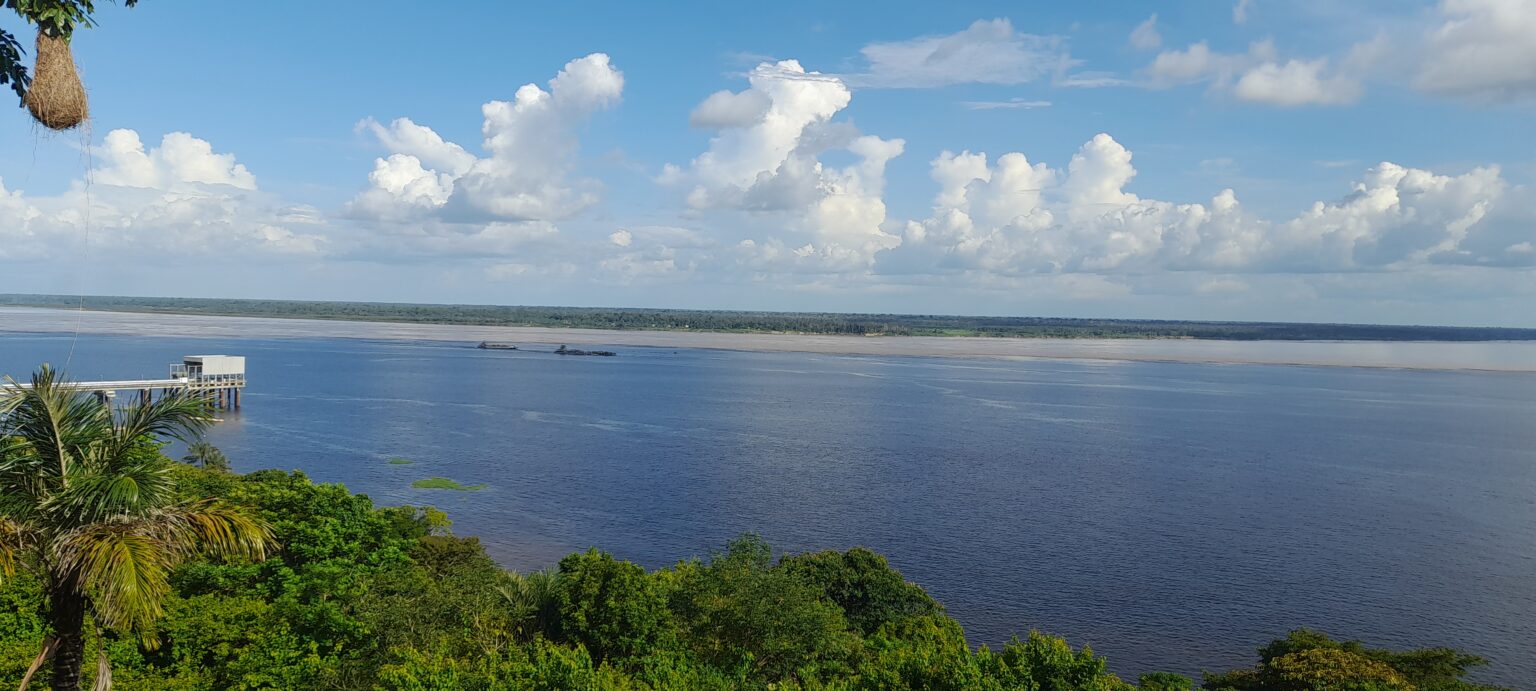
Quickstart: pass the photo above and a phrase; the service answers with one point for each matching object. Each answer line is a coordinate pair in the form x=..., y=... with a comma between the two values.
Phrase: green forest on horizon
x=724, y=321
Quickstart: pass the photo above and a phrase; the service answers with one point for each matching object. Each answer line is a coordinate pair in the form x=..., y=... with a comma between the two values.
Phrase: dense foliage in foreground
x=771, y=322
x=361, y=597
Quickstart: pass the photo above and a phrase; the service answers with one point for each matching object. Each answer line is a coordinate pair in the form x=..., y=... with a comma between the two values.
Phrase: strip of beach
x=1495, y=356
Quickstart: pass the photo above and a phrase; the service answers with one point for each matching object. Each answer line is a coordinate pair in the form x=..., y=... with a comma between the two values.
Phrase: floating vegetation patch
x=400, y=461
x=445, y=483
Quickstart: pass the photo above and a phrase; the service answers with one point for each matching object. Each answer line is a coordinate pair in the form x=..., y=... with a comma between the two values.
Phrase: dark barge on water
x=562, y=350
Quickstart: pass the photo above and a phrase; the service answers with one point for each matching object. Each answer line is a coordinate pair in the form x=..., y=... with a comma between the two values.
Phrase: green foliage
x=400, y=461
x=207, y=456
x=924, y=652
x=445, y=483
x=612, y=607
x=22, y=623
x=1307, y=660
x=1165, y=681
x=863, y=584
x=739, y=613
x=1048, y=663
x=12, y=70
x=532, y=601
x=1331, y=669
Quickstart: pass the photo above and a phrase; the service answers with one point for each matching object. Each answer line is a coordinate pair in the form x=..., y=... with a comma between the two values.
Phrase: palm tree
x=209, y=457
x=89, y=504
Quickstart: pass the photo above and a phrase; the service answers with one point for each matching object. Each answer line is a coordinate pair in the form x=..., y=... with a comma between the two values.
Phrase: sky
x=1307, y=160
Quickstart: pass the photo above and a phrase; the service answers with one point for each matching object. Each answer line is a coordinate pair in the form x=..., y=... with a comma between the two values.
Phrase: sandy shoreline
x=1501, y=356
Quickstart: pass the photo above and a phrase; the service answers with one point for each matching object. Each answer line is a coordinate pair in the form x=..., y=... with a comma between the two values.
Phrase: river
x=1175, y=515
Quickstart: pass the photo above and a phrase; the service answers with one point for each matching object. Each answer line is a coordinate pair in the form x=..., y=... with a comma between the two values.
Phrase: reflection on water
x=1163, y=512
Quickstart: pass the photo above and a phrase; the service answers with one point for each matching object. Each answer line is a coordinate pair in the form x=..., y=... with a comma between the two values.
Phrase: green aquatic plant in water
x=400, y=461
x=445, y=483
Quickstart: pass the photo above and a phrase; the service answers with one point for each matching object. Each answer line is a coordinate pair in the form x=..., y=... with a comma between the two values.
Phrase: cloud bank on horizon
x=787, y=195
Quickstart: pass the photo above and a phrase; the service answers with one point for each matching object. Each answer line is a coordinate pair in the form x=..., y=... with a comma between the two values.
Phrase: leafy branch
x=11, y=70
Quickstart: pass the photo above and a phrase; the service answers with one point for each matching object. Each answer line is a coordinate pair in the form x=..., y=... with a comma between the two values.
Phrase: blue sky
x=1052, y=159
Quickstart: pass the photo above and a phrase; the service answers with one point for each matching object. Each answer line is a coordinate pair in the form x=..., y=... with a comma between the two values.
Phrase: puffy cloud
x=531, y=146
x=1145, y=35
x=1395, y=216
x=400, y=187
x=422, y=143
x=179, y=199
x=772, y=164
x=21, y=235
x=987, y=52
x=1199, y=63
x=729, y=109
x=179, y=161
x=1296, y=83
x=1014, y=217
x=1476, y=50
x=1258, y=76
x=750, y=155
x=1481, y=50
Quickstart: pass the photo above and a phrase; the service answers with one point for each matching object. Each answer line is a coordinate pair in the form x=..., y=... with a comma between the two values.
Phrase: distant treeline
x=774, y=322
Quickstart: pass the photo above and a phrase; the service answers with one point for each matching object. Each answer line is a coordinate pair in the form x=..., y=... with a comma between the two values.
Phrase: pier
x=218, y=378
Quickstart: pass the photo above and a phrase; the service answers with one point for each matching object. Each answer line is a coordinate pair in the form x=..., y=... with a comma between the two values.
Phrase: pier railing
x=221, y=390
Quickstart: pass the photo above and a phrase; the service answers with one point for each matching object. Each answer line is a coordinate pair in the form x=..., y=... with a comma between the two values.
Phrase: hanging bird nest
x=56, y=98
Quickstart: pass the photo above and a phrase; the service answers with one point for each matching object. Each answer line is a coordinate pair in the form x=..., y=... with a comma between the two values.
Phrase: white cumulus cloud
x=1296, y=83
x=1014, y=217
x=180, y=160
x=1259, y=76
x=530, y=144
x=178, y=199
x=1481, y=50
x=771, y=163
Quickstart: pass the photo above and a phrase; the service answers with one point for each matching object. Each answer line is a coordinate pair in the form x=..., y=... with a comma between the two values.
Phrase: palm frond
x=50, y=646
x=139, y=482
x=21, y=485
x=59, y=423
x=15, y=539
x=103, y=673
x=125, y=563
x=177, y=416
x=216, y=528
x=124, y=566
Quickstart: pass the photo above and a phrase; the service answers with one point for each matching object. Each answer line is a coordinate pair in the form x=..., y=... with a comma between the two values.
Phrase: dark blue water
x=1175, y=516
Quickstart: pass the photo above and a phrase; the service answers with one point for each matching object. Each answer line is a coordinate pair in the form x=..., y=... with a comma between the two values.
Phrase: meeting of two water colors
x=1165, y=513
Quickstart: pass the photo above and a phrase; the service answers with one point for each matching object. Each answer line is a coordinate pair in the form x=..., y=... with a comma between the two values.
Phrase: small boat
x=487, y=345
